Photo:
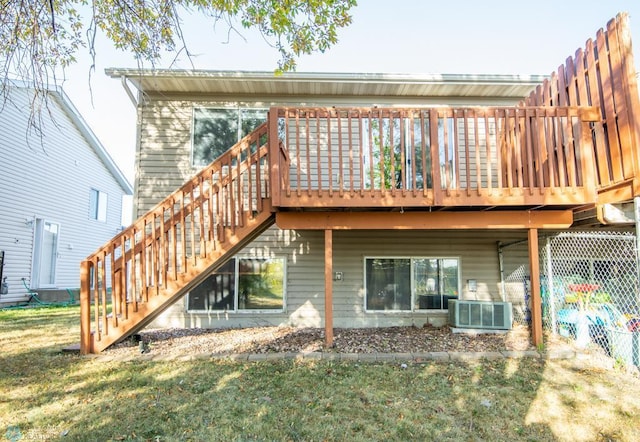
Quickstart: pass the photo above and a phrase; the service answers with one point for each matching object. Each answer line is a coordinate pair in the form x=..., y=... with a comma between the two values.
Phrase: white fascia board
x=97, y=146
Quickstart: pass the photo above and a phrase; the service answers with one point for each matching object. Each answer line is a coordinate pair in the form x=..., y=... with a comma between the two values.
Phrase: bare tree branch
x=39, y=39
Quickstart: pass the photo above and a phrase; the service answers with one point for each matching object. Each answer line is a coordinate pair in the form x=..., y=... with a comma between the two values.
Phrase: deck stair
x=133, y=278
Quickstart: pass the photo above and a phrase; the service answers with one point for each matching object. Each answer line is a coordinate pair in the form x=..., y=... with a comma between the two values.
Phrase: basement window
x=411, y=283
x=242, y=284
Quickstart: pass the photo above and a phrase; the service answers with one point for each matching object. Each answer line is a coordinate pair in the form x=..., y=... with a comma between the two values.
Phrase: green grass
x=48, y=395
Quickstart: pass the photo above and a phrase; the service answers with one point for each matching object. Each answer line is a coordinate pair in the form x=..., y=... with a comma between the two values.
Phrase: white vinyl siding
x=49, y=177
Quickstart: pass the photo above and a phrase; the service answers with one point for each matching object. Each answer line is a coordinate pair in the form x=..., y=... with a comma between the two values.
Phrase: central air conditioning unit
x=480, y=314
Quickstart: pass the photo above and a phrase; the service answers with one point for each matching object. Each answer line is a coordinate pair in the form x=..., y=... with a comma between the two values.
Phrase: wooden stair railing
x=144, y=269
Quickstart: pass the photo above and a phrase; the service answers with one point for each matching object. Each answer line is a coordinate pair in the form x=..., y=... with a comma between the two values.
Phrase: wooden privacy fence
x=170, y=248
x=602, y=74
x=380, y=157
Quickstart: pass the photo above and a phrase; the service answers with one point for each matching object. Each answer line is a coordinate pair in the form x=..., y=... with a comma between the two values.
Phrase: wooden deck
x=573, y=143
x=432, y=158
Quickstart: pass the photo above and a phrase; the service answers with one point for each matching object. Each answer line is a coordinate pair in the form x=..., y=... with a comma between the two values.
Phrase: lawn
x=48, y=395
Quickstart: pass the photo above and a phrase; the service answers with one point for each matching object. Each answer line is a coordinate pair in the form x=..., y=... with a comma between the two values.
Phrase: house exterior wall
x=163, y=156
x=49, y=177
x=515, y=277
x=164, y=163
x=304, y=253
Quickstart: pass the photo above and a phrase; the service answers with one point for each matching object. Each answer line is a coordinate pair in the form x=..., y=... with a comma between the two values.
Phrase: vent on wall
x=480, y=314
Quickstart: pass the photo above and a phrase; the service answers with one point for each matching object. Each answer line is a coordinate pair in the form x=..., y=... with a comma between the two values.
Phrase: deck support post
x=328, y=288
x=536, y=303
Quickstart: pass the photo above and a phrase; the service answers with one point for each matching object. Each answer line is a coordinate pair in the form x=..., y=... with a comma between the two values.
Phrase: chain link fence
x=589, y=288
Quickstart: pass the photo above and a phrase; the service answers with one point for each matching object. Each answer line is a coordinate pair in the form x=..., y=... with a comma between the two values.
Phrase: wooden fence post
x=85, y=308
x=274, y=156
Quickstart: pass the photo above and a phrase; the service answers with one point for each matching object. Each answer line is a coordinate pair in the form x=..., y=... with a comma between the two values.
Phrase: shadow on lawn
x=46, y=394
x=282, y=400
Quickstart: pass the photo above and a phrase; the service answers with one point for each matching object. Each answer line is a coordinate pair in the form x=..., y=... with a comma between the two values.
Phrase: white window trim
x=238, y=108
x=37, y=259
x=411, y=275
x=101, y=207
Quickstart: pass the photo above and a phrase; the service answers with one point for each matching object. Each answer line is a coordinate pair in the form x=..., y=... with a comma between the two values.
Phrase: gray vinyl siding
x=163, y=160
x=50, y=177
x=304, y=252
x=163, y=157
x=164, y=164
x=325, y=154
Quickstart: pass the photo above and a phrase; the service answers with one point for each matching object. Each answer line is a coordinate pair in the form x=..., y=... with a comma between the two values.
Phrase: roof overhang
x=58, y=94
x=93, y=141
x=246, y=83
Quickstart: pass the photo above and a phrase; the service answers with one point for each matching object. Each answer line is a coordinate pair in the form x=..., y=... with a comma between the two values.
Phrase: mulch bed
x=346, y=340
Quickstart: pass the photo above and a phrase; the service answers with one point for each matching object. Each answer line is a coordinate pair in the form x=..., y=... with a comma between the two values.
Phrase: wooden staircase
x=133, y=278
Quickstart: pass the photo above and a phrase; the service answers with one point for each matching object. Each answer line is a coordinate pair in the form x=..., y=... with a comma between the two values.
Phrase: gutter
x=356, y=77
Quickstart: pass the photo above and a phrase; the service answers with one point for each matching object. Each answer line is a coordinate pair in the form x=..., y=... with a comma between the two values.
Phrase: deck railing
x=382, y=157
x=603, y=75
x=155, y=259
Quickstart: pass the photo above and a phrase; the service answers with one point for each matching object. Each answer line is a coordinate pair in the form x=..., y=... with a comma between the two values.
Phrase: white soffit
x=236, y=83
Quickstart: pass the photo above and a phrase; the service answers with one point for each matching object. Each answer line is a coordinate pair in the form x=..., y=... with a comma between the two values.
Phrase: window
x=407, y=284
x=242, y=284
x=45, y=254
x=436, y=280
x=217, y=130
x=98, y=205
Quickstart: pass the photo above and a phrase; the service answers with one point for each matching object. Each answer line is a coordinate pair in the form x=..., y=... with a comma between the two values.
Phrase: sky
x=399, y=36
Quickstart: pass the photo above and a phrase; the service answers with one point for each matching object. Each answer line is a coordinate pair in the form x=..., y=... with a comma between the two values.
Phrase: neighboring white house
x=60, y=195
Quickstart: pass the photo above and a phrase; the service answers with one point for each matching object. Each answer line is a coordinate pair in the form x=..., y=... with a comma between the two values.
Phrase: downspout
x=550, y=289
x=501, y=247
x=503, y=289
x=127, y=89
x=136, y=104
